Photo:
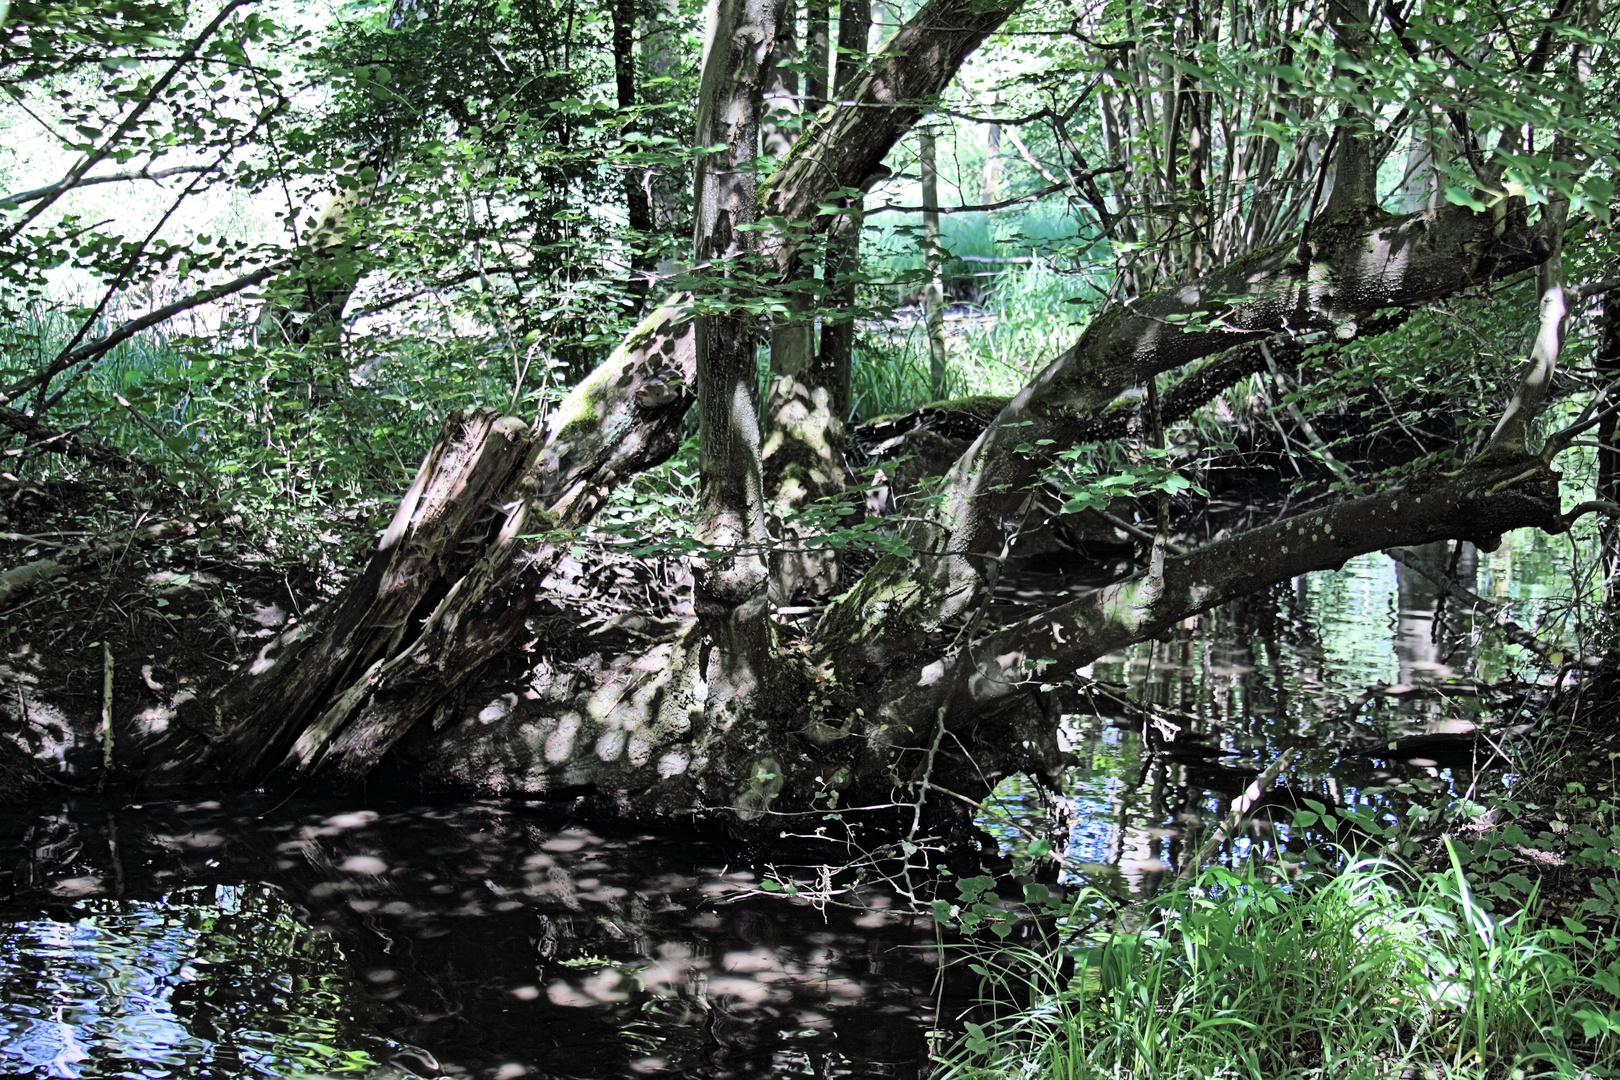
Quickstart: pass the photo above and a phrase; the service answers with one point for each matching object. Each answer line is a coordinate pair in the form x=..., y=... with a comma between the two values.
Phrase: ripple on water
x=165, y=987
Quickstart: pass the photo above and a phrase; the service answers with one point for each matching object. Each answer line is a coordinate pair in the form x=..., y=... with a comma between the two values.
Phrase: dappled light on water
x=484, y=941
x=206, y=981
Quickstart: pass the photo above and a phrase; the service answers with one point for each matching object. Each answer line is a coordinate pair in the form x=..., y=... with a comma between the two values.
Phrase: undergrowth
x=1478, y=941
x=1375, y=971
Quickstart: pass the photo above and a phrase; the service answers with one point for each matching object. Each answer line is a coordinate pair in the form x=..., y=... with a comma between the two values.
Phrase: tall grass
x=1369, y=973
x=310, y=443
x=1033, y=314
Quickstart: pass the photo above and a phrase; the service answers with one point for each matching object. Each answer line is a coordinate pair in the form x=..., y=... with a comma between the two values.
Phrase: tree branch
x=844, y=146
x=147, y=173
x=1385, y=263
x=1477, y=503
x=68, y=182
x=92, y=350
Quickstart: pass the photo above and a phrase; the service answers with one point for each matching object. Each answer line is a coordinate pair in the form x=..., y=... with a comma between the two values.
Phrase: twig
x=1140, y=533
x=1338, y=467
x=1304, y=250
x=143, y=174
x=1061, y=185
x=1590, y=417
x=1592, y=288
x=106, y=714
x=1592, y=506
x=1240, y=807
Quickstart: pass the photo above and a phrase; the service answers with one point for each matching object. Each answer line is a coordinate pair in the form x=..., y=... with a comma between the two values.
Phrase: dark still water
x=482, y=940
x=490, y=940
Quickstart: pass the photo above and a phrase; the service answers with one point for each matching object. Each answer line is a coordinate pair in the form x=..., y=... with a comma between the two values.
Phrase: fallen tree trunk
x=448, y=589
x=458, y=535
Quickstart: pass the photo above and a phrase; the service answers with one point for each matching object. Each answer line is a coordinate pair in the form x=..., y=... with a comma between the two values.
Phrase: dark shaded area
x=494, y=936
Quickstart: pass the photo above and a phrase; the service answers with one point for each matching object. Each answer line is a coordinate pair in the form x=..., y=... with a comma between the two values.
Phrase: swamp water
x=304, y=938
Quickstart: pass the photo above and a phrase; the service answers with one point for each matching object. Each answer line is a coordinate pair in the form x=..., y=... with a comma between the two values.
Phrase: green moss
x=582, y=403
x=982, y=407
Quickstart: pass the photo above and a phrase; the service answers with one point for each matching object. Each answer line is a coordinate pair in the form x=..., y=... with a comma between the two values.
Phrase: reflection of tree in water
x=490, y=937
x=1337, y=667
x=214, y=981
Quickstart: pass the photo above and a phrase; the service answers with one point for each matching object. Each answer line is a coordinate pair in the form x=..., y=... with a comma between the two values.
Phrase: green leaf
x=1457, y=195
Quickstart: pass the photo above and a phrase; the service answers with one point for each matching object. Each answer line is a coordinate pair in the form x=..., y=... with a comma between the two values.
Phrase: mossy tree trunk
x=898, y=688
x=489, y=515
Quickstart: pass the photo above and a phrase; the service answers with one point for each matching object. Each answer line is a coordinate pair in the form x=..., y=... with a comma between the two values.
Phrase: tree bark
x=1355, y=172
x=305, y=306
x=837, y=350
x=809, y=404
x=783, y=106
x=637, y=201
x=816, y=55
x=933, y=297
x=845, y=147
x=1351, y=270
x=1606, y=360
x=730, y=582
x=452, y=578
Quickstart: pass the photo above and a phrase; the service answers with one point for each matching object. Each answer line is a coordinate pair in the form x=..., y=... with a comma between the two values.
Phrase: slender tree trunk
x=730, y=585
x=780, y=122
x=305, y=305
x=1355, y=173
x=990, y=181
x=816, y=55
x=1607, y=362
x=792, y=344
x=933, y=297
x=637, y=200
x=807, y=404
x=837, y=351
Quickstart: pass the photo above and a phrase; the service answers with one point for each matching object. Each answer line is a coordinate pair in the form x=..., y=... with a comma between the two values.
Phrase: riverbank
x=1489, y=951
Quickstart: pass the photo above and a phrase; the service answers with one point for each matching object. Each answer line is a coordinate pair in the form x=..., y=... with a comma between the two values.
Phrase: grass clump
x=1029, y=318
x=1372, y=972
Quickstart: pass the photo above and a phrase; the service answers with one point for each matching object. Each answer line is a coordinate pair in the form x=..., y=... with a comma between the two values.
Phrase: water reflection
x=131, y=988
x=1381, y=688
x=481, y=940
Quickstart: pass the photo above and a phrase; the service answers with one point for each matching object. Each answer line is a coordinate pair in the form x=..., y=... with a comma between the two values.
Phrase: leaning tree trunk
x=894, y=693
x=450, y=587
x=449, y=584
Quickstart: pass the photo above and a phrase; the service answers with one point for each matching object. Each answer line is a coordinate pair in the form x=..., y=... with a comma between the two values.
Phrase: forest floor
x=105, y=563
